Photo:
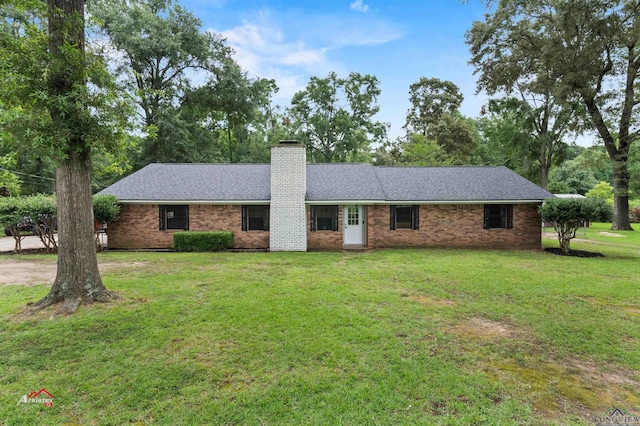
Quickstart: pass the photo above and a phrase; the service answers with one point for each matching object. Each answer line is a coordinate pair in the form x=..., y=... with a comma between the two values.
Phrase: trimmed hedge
x=202, y=241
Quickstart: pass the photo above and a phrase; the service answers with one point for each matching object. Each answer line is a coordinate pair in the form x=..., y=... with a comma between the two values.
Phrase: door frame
x=362, y=218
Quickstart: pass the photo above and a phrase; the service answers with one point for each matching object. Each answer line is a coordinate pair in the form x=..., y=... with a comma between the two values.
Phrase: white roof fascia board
x=413, y=202
x=199, y=202
x=421, y=202
x=327, y=202
x=341, y=202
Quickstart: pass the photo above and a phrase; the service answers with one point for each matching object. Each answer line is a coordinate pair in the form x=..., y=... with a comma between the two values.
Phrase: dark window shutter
x=392, y=219
x=186, y=218
x=416, y=217
x=245, y=218
x=335, y=218
x=161, y=217
x=266, y=218
x=509, y=216
x=313, y=218
x=487, y=213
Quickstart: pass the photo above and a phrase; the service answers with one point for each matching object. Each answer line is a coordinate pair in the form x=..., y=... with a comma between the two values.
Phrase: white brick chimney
x=287, y=215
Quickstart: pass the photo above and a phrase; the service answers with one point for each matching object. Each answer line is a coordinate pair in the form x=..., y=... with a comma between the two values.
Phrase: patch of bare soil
x=571, y=388
x=27, y=273
x=562, y=387
x=606, y=375
x=34, y=272
x=109, y=266
x=633, y=311
x=430, y=301
x=482, y=327
x=610, y=234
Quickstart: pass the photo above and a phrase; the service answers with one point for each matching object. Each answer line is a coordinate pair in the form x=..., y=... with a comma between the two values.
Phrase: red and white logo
x=42, y=396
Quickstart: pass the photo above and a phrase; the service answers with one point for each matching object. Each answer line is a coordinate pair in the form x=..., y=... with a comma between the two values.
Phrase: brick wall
x=324, y=240
x=440, y=226
x=457, y=226
x=138, y=226
x=288, y=189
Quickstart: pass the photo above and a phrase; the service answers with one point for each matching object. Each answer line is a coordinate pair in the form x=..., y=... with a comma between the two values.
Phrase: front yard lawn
x=442, y=337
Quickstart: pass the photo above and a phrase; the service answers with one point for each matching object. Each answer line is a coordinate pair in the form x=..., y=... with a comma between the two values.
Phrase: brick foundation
x=440, y=226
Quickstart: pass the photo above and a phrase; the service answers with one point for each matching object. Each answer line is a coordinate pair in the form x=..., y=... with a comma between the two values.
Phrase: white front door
x=353, y=219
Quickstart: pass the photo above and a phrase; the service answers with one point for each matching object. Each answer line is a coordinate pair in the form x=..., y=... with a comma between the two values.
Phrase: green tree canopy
x=334, y=117
x=162, y=48
x=527, y=133
x=417, y=151
x=580, y=51
x=434, y=113
x=577, y=178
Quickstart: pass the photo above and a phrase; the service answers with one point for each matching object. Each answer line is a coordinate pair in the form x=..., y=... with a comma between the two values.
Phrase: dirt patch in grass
x=607, y=375
x=633, y=311
x=430, y=301
x=110, y=266
x=610, y=234
x=572, y=388
x=485, y=328
x=557, y=388
x=34, y=272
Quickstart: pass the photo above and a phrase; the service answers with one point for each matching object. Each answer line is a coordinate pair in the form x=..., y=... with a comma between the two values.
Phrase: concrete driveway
x=29, y=242
x=33, y=242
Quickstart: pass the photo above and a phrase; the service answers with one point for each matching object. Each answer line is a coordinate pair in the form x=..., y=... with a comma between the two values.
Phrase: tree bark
x=621, y=177
x=618, y=156
x=78, y=278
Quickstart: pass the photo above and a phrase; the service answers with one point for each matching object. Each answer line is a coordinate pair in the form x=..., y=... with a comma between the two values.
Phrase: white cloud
x=263, y=50
x=290, y=48
x=359, y=6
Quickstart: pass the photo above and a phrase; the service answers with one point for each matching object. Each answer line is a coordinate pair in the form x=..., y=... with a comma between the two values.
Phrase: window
x=174, y=217
x=498, y=216
x=255, y=218
x=324, y=218
x=405, y=217
x=353, y=215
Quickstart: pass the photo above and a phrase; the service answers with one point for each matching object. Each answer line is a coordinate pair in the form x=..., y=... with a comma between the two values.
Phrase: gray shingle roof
x=325, y=183
x=463, y=183
x=191, y=182
x=342, y=181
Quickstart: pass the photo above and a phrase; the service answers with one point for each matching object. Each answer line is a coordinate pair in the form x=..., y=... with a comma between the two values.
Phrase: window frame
x=246, y=222
x=415, y=217
x=333, y=217
x=163, y=217
x=498, y=216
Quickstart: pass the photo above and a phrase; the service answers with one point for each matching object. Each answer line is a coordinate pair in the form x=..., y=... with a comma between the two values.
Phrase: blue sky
x=397, y=41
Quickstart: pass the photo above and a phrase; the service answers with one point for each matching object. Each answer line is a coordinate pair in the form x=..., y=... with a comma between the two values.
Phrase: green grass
x=442, y=337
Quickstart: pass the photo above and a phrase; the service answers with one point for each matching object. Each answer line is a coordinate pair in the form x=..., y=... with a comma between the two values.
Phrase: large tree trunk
x=621, y=220
x=619, y=156
x=78, y=279
x=544, y=174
